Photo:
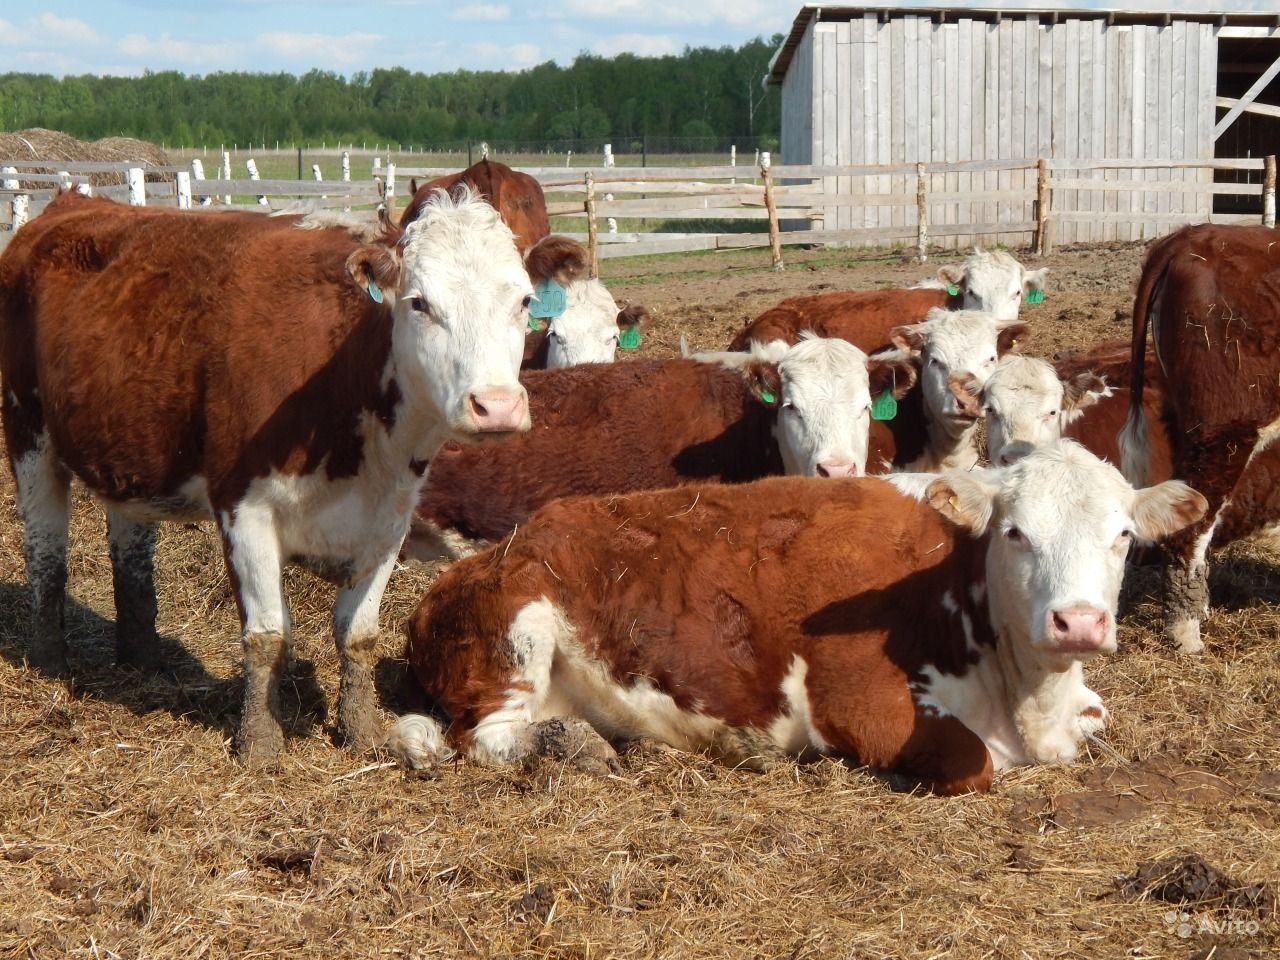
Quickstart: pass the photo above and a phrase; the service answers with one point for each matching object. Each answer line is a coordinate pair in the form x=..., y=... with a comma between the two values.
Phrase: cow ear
x=909, y=339
x=963, y=499
x=375, y=269
x=895, y=375
x=951, y=276
x=1034, y=279
x=764, y=381
x=413, y=186
x=1011, y=337
x=1165, y=509
x=556, y=258
x=1082, y=390
x=633, y=315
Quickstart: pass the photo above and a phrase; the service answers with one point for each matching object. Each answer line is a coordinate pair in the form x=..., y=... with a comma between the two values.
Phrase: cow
x=577, y=320
x=990, y=281
x=1029, y=402
x=658, y=423
x=940, y=641
x=1209, y=295
x=290, y=383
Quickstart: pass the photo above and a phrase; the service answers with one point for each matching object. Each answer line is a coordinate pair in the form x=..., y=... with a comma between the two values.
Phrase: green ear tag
x=952, y=290
x=629, y=339
x=534, y=325
x=767, y=396
x=1035, y=296
x=885, y=407
x=375, y=291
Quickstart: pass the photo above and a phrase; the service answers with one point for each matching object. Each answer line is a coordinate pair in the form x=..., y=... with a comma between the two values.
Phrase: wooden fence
x=792, y=204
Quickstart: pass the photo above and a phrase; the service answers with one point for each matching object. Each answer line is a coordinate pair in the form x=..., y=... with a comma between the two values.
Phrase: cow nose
x=1011, y=453
x=499, y=410
x=1079, y=629
x=964, y=388
x=836, y=468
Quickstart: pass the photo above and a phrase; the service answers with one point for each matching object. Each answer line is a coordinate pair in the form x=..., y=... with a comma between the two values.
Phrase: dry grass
x=40, y=144
x=127, y=830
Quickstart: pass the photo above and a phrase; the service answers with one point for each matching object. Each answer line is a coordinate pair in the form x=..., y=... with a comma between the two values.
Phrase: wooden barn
x=911, y=82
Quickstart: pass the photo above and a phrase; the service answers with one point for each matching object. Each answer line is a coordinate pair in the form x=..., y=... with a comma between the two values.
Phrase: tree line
x=702, y=92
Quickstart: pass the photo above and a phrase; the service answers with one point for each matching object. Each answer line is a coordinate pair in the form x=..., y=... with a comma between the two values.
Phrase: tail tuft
x=418, y=742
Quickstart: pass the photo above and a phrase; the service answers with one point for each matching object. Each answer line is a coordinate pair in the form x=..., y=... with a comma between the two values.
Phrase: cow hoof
x=1185, y=635
x=576, y=743
x=358, y=729
x=49, y=661
x=260, y=745
x=140, y=653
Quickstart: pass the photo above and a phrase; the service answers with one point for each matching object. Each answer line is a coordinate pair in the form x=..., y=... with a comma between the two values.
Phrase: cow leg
x=43, y=487
x=944, y=756
x=133, y=551
x=1186, y=592
x=575, y=742
x=253, y=559
x=355, y=633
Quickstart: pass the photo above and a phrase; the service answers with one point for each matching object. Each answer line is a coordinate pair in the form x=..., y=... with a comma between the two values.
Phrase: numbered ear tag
x=767, y=396
x=548, y=300
x=629, y=339
x=885, y=407
x=534, y=325
x=1035, y=296
x=952, y=290
x=375, y=291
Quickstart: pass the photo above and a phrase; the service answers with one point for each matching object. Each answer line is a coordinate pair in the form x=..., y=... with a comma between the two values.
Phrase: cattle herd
x=795, y=546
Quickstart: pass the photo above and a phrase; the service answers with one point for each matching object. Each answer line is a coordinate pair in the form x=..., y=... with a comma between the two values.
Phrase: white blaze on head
x=1060, y=523
x=993, y=281
x=1025, y=404
x=823, y=389
x=957, y=352
x=458, y=292
x=588, y=330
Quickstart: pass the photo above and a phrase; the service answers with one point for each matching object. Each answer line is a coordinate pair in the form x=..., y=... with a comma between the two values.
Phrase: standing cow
x=1211, y=297
x=939, y=641
x=291, y=383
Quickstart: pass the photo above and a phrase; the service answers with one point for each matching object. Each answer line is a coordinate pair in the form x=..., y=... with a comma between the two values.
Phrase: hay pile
x=40, y=144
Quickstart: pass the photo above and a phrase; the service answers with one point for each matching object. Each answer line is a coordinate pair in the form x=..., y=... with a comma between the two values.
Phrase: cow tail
x=417, y=741
x=1132, y=439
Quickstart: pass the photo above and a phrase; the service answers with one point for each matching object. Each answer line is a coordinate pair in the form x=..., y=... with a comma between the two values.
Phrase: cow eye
x=1014, y=535
x=991, y=359
x=1124, y=538
x=935, y=362
x=419, y=304
x=1053, y=413
x=524, y=304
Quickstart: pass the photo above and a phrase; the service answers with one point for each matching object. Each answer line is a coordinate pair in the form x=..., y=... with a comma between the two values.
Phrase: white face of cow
x=994, y=282
x=1025, y=404
x=587, y=331
x=958, y=351
x=824, y=405
x=1060, y=523
x=460, y=317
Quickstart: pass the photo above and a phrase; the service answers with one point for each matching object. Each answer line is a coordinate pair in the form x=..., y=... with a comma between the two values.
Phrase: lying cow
x=289, y=383
x=573, y=318
x=1030, y=402
x=658, y=423
x=941, y=642
x=990, y=281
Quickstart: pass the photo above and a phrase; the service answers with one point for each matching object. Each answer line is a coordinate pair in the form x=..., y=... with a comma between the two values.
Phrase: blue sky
x=125, y=37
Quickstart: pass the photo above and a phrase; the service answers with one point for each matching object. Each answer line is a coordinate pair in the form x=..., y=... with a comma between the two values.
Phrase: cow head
x=458, y=294
x=957, y=352
x=994, y=282
x=1060, y=522
x=823, y=390
x=1025, y=404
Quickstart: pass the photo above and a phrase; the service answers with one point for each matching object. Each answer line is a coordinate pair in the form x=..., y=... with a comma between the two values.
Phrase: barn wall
x=910, y=90
x=797, y=105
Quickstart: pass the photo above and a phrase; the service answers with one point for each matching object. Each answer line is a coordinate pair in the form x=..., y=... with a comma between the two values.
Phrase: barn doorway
x=1242, y=62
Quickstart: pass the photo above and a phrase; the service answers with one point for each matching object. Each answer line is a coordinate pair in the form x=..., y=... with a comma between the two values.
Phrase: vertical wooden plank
x=1208, y=91
x=950, y=106
x=1071, y=111
x=1048, y=119
x=858, y=113
x=1084, y=131
x=911, y=117
x=884, y=113
x=1007, y=123
x=1097, y=110
x=897, y=110
x=1191, y=116
x=978, y=86
x=1111, y=135
x=1031, y=121
x=993, y=119
x=1177, y=97
x=1124, y=119
x=871, y=97
x=844, y=120
x=1018, y=116
x=819, y=127
x=925, y=103
x=1154, y=96
x=965, y=116
x=1139, y=109
x=830, y=115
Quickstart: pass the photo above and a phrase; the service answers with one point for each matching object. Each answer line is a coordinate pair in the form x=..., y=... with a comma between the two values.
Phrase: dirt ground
x=127, y=830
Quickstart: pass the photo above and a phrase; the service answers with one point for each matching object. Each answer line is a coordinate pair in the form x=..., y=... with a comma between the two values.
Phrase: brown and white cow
x=588, y=325
x=1211, y=297
x=941, y=642
x=291, y=383
x=657, y=423
x=990, y=281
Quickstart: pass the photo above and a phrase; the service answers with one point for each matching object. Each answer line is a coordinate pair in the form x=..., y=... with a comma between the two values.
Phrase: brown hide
x=516, y=196
x=863, y=317
x=225, y=344
x=604, y=428
x=696, y=590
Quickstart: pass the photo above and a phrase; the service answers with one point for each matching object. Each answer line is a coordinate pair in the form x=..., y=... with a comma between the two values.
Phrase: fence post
x=64, y=180
x=922, y=215
x=197, y=173
x=733, y=160
x=184, y=190
x=771, y=205
x=225, y=174
x=1042, y=208
x=315, y=172
x=137, y=187
x=299, y=163
x=1269, y=192
x=389, y=191
x=346, y=166
x=593, y=243
x=9, y=183
x=20, y=210
x=252, y=166
x=608, y=162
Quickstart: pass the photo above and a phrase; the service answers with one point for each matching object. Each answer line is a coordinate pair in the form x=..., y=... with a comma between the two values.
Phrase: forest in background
x=703, y=92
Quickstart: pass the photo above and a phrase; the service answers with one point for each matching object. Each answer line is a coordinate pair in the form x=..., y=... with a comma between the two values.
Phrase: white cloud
x=322, y=50
x=640, y=44
x=50, y=27
x=485, y=12
x=9, y=35
x=737, y=13
x=183, y=54
x=495, y=56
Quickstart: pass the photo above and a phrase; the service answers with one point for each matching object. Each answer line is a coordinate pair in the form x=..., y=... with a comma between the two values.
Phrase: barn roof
x=1252, y=17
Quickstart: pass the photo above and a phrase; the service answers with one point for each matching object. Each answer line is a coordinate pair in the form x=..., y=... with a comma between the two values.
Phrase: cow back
x=863, y=317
